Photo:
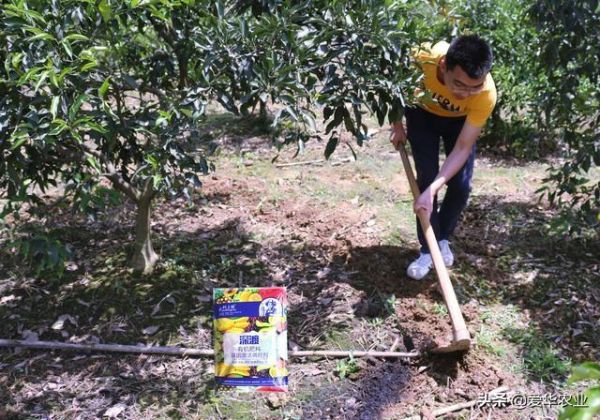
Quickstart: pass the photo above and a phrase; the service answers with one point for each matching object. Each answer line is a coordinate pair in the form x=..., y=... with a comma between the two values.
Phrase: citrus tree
x=343, y=60
x=100, y=90
x=106, y=90
x=568, y=51
x=514, y=127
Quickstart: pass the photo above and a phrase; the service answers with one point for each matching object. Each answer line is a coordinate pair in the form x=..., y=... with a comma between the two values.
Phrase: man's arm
x=398, y=134
x=455, y=160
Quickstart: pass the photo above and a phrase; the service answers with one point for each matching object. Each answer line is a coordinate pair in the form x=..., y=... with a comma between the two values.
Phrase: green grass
x=497, y=179
x=399, y=220
x=439, y=309
x=375, y=322
x=338, y=339
x=505, y=327
x=541, y=361
x=489, y=341
x=346, y=367
x=395, y=237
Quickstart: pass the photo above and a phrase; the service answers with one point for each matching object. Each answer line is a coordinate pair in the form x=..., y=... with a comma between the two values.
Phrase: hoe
x=461, y=338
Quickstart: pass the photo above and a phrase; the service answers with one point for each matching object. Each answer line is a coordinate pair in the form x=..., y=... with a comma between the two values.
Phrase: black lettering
x=445, y=103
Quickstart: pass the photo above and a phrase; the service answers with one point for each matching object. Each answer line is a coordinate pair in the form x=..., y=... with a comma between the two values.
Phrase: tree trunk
x=144, y=258
x=262, y=115
x=183, y=70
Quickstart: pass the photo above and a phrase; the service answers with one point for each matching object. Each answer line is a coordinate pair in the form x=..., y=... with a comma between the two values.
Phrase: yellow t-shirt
x=438, y=100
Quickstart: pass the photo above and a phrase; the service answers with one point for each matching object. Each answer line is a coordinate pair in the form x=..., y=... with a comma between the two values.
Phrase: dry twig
x=179, y=351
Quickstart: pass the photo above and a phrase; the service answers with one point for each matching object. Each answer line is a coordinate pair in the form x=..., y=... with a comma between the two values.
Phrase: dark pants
x=424, y=131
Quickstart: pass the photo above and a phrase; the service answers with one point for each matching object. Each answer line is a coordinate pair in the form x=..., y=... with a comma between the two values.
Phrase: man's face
x=459, y=83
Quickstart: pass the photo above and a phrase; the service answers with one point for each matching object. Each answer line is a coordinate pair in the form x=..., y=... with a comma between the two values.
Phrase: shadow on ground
x=505, y=256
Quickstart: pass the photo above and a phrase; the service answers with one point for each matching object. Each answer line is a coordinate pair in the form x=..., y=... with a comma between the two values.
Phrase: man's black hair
x=472, y=54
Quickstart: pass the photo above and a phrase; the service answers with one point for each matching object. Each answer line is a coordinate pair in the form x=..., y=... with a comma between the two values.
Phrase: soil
x=339, y=277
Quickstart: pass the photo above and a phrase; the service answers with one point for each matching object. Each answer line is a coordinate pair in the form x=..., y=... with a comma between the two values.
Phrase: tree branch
x=113, y=175
x=179, y=351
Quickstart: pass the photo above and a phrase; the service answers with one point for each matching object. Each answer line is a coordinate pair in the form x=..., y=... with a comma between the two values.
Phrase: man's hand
x=455, y=160
x=398, y=135
x=425, y=202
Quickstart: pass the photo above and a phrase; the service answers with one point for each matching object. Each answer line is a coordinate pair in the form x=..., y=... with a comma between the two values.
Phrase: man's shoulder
x=487, y=97
x=428, y=51
x=490, y=88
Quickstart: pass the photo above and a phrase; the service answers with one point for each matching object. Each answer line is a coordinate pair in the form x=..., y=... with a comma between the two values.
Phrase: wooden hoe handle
x=461, y=334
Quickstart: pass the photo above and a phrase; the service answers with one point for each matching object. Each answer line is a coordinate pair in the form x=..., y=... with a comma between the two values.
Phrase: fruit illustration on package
x=250, y=338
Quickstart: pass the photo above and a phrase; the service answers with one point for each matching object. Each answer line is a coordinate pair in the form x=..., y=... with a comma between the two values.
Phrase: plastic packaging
x=250, y=338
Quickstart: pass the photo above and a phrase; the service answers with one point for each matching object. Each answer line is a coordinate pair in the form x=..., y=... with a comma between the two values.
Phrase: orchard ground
x=339, y=235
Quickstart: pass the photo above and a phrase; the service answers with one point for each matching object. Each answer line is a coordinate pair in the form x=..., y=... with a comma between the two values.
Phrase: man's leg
x=458, y=188
x=425, y=144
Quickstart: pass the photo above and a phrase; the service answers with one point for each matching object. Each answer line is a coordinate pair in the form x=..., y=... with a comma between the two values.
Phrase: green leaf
x=15, y=60
x=41, y=80
x=152, y=160
x=76, y=37
x=18, y=142
x=96, y=127
x=53, y=77
x=89, y=65
x=309, y=120
x=93, y=162
x=156, y=181
x=32, y=14
x=64, y=72
x=227, y=102
x=59, y=126
x=104, y=88
x=42, y=36
x=589, y=412
x=54, y=106
x=29, y=75
x=76, y=105
x=105, y=10
x=220, y=9
x=585, y=371
x=67, y=46
x=291, y=113
x=348, y=123
x=331, y=145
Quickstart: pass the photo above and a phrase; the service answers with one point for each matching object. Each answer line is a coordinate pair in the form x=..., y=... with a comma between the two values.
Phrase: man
x=457, y=96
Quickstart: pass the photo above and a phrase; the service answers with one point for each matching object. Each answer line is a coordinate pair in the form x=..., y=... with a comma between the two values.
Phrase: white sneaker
x=447, y=255
x=420, y=267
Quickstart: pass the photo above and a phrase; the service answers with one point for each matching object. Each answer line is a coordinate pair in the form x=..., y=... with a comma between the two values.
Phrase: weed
x=541, y=361
x=421, y=305
x=338, y=339
x=440, y=309
x=390, y=305
x=488, y=341
x=503, y=317
x=394, y=238
x=375, y=322
x=345, y=368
